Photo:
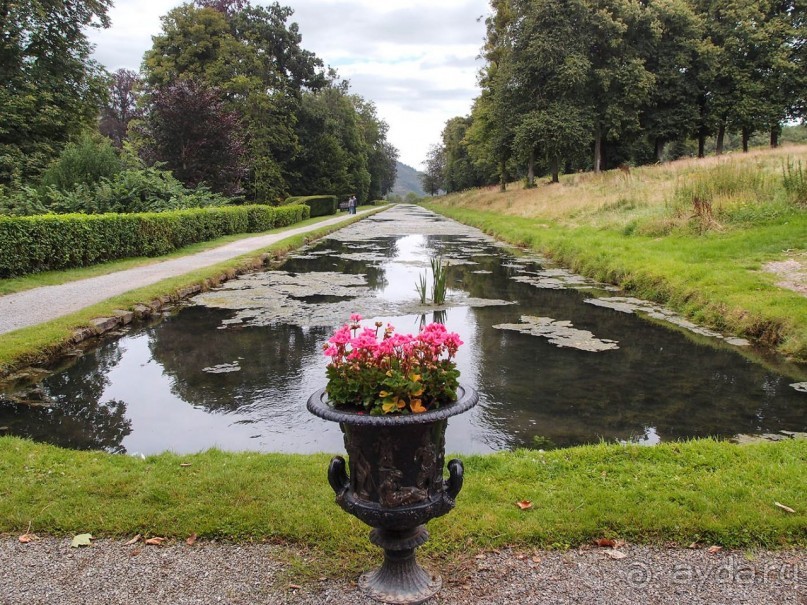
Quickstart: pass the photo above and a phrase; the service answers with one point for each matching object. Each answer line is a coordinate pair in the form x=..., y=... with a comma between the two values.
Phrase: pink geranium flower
x=390, y=372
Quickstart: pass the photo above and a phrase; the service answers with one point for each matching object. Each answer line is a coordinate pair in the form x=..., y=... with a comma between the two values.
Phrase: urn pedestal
x=394, y=483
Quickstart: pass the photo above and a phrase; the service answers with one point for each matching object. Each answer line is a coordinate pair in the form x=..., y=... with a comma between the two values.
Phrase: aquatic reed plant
x=439, y=287
x=422, y=288
x=439, y=275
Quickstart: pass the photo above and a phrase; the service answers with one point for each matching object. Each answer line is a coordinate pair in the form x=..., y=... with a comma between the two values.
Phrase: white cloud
x=415, y=59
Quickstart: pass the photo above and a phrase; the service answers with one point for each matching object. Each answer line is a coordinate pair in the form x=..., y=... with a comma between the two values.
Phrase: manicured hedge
x=32, y=244
x=321, y=205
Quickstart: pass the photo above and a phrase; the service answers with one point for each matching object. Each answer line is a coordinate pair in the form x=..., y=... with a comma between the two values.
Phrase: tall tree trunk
x=597, y=148
x=701, y=144
x=721, y=137
x=776, y=130
x=746, y=136
x=502, y=176
x=659, y=149
x=531, y=170
x=555, y=168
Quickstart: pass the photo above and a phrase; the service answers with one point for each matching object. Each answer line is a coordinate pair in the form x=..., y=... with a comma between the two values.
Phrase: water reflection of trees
x=658, y=378
x=77, y=418
x=374, y=273
x=270, y=358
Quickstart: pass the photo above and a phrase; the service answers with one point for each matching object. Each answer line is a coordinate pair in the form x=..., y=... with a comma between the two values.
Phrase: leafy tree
x=435, y=165
x=256, y=59
x=459, y=170
x=496, y=109
x=332, y=155
x=550, y=69
x=382, y=156
x=619, y=84
x=672, y=50
x=480, y=137
x=190, y=130
x=559, y=130
x=758, y=75
x=50, y=89
x=121, y=107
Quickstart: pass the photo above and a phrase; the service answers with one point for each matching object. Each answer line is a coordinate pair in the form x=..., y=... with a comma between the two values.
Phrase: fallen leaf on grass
x=524, y=505
x=155, y=541
x=605, y=542
x=26, y=538
x=134, y=540
x=713, y=550
x=616, y=554
x=185, y=464
x=81, y=540
x=693, y=546
x=787, y=509
x=191, y=540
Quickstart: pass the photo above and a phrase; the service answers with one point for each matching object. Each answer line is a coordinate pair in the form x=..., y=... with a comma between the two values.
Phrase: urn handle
x=337, y=475
x=455, y=474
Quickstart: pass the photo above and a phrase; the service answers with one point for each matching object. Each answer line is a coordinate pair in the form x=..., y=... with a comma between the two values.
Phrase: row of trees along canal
x=228, y=99
x=591, y=84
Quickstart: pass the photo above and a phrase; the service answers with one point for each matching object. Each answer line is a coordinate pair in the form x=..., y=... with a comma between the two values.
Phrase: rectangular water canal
x=558, y=360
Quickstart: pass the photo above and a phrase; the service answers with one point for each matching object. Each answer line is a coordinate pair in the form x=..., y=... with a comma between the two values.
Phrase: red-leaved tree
x=196, y=136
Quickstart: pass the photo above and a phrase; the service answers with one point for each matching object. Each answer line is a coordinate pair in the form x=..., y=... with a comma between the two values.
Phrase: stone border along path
x=39, y=305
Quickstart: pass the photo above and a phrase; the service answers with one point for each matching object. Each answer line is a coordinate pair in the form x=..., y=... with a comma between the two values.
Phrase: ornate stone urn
x=395, y=485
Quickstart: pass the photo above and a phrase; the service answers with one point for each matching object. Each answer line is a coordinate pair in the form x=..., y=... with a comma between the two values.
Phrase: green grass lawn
x=699, y=491
x=714, y=279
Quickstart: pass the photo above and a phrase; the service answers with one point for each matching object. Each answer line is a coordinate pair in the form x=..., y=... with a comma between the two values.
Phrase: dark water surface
x=233, y=368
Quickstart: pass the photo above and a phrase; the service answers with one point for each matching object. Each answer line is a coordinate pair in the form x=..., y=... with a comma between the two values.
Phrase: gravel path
x=49, y=571
x=32, y=307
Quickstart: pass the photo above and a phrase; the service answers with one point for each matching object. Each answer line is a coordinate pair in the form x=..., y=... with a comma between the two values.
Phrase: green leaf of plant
x=81, y=540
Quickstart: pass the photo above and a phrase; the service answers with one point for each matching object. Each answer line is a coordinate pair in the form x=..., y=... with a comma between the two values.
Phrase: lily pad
x=626, y=304
x=560, y=333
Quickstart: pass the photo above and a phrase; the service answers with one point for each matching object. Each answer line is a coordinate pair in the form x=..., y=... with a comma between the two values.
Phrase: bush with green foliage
x=33, y=244
x=321, y=205
x=84, y=162
x=132, y=190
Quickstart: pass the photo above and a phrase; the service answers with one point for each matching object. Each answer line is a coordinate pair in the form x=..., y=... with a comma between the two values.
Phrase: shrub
x=321, y=205
x=131, y=190
x=85, y=162
x=33, y=244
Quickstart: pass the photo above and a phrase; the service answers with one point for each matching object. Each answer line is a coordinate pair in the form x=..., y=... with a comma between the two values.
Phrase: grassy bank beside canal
x=702, y=492
x=37, y=344
x=697, y=236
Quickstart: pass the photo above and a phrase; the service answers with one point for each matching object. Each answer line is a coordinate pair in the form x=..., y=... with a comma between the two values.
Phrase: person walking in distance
x=351, y=205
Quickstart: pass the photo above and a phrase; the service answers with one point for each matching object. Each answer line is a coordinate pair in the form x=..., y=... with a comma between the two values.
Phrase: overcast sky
x=415, y=59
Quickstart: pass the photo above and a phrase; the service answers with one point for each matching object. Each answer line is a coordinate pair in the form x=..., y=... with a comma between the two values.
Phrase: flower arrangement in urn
x=383, y=372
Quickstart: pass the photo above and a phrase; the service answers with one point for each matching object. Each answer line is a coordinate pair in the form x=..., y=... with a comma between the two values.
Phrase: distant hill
x=408, y=179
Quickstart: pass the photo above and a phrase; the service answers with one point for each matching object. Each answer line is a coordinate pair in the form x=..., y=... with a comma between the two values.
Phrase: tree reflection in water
x=267, y=359
x=77, y=416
